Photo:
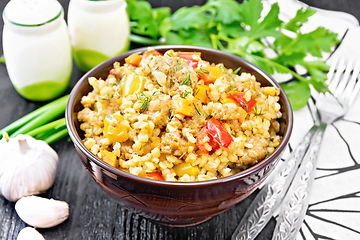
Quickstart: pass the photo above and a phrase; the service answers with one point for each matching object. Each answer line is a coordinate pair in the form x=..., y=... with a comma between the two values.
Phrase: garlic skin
x=27, y=166
x=42, y=212
x=29, y=233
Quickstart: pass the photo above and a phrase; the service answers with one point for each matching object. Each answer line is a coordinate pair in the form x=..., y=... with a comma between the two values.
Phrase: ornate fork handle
x=271, y=195
x=295, y=204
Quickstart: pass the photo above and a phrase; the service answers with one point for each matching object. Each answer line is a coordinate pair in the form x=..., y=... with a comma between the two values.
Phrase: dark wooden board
x=94, y=214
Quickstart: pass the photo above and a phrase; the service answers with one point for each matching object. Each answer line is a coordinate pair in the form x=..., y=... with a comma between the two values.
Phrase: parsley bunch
x=237, y=28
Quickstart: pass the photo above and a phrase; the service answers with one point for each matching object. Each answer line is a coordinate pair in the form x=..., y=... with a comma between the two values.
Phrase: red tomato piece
x=200, y=139
x=218, y=132
x=189, y=58
x=192, y=63
x=239, y=98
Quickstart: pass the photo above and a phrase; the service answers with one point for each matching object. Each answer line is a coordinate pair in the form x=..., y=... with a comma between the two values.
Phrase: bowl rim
x=247, y=172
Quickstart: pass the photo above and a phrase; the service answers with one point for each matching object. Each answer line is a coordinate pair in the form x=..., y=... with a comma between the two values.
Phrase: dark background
x=93, y=214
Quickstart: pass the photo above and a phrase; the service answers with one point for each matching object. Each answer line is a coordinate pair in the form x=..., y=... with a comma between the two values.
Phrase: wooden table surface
x=94, y=214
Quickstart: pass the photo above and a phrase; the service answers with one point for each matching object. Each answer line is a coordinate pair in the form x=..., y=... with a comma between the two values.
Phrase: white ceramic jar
x=99, y=30
x=37, y=48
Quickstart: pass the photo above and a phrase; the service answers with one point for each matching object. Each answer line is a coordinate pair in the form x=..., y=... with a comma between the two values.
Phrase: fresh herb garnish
x=171, y=111
x=145, y=100
x=196, y=117
x=243, y=32
x=237, y=70
x=197, y=110
x=244, y=106
x=108, y=97
x=197, y=91
x=226, y=71
x=178, y=65
x=204, y=71
x=258, y=112
x=207, y=115
x=230, y=88
x=186, y=93
x=187, y=80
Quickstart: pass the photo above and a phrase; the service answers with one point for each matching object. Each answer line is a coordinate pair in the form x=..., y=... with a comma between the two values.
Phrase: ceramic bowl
x=177, y=203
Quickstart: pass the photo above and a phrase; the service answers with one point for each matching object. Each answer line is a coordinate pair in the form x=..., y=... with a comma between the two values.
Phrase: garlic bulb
x=27, y=166
x=42, y=212
x=29, y=233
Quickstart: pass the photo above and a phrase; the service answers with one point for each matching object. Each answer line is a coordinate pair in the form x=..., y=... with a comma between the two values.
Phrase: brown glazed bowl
x=176, y=203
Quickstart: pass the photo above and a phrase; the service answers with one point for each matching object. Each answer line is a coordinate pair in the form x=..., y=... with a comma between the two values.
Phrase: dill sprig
x=178, y=65
x=197, y=110
x=258, y=112
x=226, y=71
x=186, y=93
x=171, y=111
x=237, y=70
x=187, y=80
x=245, y=106
x=204, y=71
x=230, y=88
x=145, y=100
x=108, y=97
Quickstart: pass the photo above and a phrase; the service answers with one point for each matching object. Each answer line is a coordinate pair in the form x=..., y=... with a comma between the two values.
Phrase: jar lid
x=32, y=12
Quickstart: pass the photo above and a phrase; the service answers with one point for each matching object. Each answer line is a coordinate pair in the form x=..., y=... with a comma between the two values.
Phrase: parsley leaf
x=301, y=17
x=144, y=19
x=238, y=28
x=225, y=11
x=298, y=93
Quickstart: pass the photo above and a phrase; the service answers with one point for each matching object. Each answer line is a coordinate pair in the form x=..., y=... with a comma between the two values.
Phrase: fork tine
x=356, y=88
x=333, y=81
x=351, y=85
x=344, y=81
x=331, y=72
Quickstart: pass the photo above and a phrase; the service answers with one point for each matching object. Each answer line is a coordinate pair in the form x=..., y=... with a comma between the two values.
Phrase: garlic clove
x=27, y=167
x=29, y=233
x=42, y=212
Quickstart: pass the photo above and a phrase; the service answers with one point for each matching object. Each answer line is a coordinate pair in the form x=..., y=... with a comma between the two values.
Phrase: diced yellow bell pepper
x=269, y=90
x=201, y=93
x=133, y=59
x=228, y=100
x=209, y=74
x=170, y=53
x=114, y=129
x=186, y=168
x=185, y=107
x=132, y=84
x=109, y=157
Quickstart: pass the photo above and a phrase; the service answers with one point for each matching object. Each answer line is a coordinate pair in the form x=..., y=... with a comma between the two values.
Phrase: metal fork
x=272, y=194
x=343, y=83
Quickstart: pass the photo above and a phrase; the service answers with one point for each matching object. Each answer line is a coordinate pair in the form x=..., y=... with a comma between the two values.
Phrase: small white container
x=99, y=30
x=37, y=48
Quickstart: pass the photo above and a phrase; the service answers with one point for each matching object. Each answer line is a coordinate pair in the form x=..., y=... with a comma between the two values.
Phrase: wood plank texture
x=93, y=213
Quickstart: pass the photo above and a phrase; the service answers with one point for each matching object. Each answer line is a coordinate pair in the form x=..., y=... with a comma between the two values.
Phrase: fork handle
x=271, y=195
x=296, y=201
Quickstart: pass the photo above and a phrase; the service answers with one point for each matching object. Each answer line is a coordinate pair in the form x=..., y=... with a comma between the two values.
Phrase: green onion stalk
x=42, y=123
